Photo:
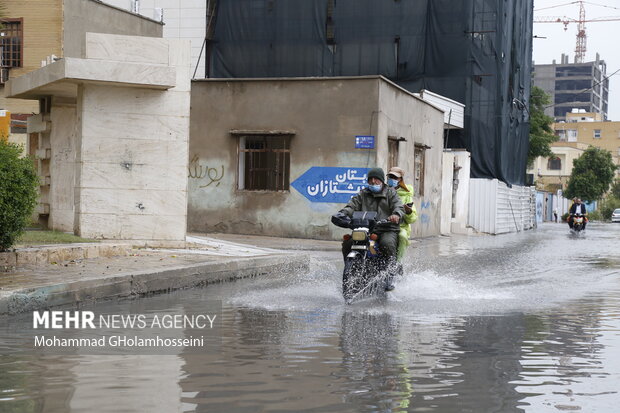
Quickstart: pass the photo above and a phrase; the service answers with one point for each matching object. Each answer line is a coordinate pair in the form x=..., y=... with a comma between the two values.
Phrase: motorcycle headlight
x=359, y=236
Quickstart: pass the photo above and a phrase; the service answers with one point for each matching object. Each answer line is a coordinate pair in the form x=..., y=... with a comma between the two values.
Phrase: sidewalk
x=78, y=273
x=263, y=242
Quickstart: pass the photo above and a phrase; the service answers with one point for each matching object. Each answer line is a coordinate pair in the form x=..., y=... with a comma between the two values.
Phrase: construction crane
x=580, y=47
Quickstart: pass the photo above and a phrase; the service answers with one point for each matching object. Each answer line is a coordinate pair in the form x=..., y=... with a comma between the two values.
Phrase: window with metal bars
x=264, y=162
x=11, y=43
x=392, y=151
x=419, y=164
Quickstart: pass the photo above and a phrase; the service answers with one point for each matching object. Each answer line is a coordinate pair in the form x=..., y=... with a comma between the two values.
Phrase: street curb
x=56, y=253
x=146, y=282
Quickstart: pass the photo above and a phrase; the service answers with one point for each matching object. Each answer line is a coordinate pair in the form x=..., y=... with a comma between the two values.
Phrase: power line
x=574, y=2
x=557, y=5
x=602, y=5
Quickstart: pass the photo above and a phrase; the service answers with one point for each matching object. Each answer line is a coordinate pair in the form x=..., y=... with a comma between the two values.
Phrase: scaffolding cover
x=477, y=52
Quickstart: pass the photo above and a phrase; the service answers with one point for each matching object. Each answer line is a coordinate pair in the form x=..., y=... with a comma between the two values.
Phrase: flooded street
x=526, y=322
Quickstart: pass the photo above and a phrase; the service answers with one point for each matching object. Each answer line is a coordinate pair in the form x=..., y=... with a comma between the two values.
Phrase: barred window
x=11, y=43
x=392, y=152
x=264, y=162
x=419, y=164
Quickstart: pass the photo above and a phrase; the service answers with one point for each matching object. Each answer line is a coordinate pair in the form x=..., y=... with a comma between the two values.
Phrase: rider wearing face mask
x=380, y=198
x=405, y=192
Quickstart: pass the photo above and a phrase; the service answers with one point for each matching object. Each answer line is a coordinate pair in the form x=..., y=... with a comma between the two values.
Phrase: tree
x=541, y=133
x=615, y=189
x=18, y=192
x=592, y=174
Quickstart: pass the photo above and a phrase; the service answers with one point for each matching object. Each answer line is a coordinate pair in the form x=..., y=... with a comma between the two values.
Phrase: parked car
x=615, y=216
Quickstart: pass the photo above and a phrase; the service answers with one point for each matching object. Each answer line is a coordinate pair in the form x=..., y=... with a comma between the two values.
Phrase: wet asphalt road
x=518, y=322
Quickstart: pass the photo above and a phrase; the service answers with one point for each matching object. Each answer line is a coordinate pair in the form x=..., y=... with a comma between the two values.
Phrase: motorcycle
x=578, y=223
x=365, y=269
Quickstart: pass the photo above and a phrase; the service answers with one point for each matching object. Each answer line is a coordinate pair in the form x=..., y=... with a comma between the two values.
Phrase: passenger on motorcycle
x=575, y=209
x=380, y=198
x=396, y=177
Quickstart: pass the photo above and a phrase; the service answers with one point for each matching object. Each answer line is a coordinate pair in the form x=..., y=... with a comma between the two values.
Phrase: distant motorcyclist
x=577, y=209
x=383, y=200
x=396, y=177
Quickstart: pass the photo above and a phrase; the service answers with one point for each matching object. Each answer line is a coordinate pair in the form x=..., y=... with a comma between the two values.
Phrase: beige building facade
x=39, y=32
x=279, y=156
x=552, y=174
x=112, y=137
x=580, y=130
x=589, y=129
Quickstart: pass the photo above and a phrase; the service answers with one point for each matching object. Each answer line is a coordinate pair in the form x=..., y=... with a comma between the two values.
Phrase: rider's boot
x=393, y=268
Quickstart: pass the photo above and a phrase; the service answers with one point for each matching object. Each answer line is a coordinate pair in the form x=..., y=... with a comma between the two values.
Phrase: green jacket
x=385, y=203
x=406, y=196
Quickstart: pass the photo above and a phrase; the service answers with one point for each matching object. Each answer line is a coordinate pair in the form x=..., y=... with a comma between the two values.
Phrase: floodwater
x=526, y=322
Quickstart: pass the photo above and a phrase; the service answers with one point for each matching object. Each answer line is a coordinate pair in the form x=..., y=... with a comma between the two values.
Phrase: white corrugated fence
x=495, y=208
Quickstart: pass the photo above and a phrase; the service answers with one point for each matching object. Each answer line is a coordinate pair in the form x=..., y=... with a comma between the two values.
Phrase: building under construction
x=477, y=52
x=570, y=86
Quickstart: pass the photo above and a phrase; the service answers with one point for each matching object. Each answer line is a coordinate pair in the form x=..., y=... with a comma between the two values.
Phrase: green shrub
x=607, y=207
x=595, y=216
x=18, y=193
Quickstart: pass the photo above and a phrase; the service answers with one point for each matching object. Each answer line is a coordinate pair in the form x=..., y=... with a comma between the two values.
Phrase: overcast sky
x=603, y=38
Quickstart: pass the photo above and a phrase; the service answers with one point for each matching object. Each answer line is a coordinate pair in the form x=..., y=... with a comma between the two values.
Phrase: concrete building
x=574, y=85
x=112, y=133
x=37, y=34
x=279, y=156
x=456, y=164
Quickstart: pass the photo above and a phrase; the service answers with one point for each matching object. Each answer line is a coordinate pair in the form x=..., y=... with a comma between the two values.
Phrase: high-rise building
x=574, y=86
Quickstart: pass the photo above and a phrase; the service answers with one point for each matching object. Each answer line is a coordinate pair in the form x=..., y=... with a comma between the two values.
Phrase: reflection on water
x=522, y=322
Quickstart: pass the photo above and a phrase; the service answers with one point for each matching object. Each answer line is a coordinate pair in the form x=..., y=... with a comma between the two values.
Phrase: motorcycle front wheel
x=352, y=276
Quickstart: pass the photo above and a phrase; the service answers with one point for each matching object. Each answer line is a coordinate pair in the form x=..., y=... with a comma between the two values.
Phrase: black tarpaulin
x=477, y=52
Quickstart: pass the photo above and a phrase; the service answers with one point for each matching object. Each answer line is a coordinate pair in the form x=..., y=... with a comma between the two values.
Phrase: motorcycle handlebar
x=345, y=221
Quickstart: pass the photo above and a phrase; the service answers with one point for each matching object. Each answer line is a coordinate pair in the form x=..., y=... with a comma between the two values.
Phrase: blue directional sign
x=364, y=142
x=331, y=184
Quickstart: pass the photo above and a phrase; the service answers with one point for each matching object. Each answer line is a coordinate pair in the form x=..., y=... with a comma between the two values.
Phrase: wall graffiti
x=540, y=199
x=424, y=218
x=198, y=171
